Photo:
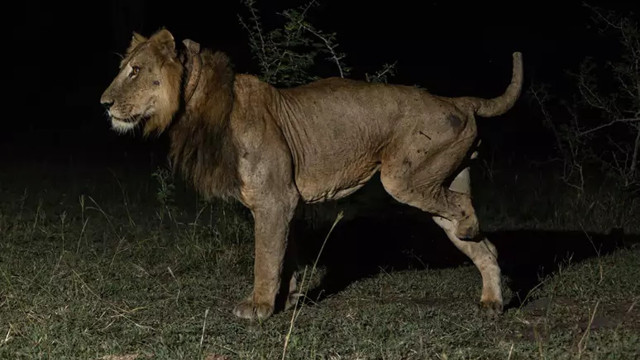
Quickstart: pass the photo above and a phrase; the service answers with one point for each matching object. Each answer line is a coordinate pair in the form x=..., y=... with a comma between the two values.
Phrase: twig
x=327, y=43
x=177, y=282
x=585, y=337
x=629, y=120
x=636, y=149
x=204, y=325
x=541, y=97
x=602, y=17
x=296, y=311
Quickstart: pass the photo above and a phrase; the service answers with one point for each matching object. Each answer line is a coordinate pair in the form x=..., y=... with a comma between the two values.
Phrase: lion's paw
x=490, y=308
x=247, y=309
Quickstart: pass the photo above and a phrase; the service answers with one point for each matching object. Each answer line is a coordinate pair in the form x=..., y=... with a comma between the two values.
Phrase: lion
x=235, y=136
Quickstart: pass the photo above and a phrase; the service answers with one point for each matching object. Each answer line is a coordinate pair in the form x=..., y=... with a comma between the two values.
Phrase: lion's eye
x=134, y=71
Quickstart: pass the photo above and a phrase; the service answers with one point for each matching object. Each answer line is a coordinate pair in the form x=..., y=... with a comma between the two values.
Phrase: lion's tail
x=501, y=104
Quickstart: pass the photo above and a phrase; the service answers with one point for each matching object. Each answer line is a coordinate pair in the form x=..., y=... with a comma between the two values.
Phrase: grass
x=93, y=266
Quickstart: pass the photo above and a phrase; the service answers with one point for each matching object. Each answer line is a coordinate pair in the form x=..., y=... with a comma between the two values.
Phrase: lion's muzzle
x=106, y=100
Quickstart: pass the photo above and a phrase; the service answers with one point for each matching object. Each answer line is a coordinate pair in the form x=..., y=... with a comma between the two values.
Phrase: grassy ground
x=93, y=266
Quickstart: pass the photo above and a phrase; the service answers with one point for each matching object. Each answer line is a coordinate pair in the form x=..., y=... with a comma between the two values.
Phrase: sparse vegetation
x=288, y=54
x=165, y=193
x=92, y=285
x=598, y=130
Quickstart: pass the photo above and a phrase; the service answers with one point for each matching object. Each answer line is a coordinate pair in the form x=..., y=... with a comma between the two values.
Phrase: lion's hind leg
x=293, y=294
x=483, y=253
x=423, y=187
x=485, y=257
x=289, y=291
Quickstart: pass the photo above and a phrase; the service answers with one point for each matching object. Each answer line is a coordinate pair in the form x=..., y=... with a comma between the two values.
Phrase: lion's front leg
x=271, y=231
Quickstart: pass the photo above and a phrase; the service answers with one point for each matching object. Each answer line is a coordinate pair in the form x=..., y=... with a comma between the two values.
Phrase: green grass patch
x=112, y=274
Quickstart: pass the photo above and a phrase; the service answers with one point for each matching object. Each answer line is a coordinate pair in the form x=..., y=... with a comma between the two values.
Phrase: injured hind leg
x=482, y=253
x=485, y=258
x=421, y=181
x=437, y=200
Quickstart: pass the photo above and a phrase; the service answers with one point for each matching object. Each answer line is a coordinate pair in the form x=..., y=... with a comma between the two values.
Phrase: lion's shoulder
x=250, y=89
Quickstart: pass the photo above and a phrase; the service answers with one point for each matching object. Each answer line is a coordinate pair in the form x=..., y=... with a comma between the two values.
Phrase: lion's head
x=147, y=88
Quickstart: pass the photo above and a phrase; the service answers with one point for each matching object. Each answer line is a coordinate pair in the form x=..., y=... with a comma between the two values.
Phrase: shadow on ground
x=361, y=247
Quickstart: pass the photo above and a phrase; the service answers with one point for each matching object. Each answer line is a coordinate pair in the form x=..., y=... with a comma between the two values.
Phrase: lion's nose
x=106, y=99
x=107, y=103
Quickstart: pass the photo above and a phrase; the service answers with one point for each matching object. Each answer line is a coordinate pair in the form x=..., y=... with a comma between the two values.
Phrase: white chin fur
x=121, y=126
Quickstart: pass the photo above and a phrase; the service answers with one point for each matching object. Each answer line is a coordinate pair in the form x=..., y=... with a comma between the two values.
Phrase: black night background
x=105, y=254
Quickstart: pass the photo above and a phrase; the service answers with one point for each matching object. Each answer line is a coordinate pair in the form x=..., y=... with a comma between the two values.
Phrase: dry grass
x=106, y=276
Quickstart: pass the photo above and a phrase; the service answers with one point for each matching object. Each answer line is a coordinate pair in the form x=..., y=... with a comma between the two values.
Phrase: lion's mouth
x=129, y=120
x=123, y=125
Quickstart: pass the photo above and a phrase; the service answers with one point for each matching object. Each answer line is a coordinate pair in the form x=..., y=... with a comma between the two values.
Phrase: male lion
x=236, y=136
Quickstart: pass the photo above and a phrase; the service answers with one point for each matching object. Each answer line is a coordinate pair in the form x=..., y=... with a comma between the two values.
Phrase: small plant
x=165, y=193
x=383, y=75
x=287, y=55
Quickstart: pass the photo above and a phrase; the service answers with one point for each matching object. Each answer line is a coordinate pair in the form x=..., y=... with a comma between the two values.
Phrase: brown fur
x=270, y=148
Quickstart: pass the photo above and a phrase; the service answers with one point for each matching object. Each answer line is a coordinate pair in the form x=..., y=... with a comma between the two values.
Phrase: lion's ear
x=166, y=42
x=136, y=40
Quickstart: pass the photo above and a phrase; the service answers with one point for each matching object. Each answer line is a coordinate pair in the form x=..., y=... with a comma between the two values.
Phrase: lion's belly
x=335, y=156
x=332, y=182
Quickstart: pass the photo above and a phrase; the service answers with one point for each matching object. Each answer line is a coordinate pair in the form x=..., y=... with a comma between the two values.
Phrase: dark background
x=61, y=56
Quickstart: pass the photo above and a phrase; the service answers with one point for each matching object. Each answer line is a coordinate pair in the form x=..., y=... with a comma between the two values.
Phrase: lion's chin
x=123, y=126
x=130, y=123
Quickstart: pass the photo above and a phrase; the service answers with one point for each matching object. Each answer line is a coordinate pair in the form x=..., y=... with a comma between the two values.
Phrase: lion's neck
x=202, y=146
